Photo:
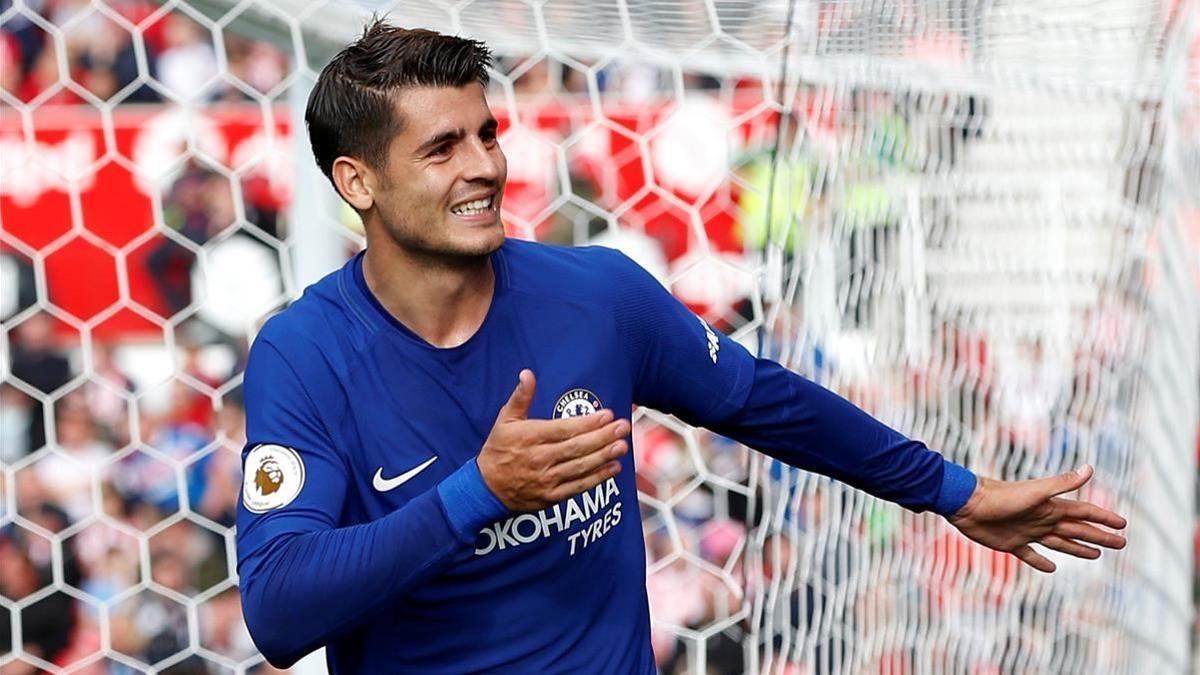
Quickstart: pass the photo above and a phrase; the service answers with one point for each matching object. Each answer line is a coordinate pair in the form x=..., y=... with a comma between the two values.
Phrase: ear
x=354, y=182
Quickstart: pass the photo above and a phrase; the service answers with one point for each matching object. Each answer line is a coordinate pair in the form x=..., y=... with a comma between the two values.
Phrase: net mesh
x=976, y=220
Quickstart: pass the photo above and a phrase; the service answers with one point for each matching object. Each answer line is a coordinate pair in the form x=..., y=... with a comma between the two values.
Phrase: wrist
x=470, y=504
x=971, y=506
x=959, y=486
x=484, y=469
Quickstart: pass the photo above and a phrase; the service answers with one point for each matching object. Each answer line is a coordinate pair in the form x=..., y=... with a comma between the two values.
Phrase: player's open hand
x=1010, y=515
x=531, y=464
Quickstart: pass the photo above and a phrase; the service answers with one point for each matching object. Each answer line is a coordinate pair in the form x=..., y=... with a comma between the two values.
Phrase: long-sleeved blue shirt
x=365, y=526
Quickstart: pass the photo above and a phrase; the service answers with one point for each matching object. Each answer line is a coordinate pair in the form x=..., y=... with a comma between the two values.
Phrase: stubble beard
x=404, y=231
x=445, y=253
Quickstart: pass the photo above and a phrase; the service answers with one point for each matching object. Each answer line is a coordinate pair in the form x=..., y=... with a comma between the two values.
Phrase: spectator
x=188, y=63
x=109, y=563
x=223, y=480
x=222, y=629
x=16, y=410
x=38, y=362
x=67, y=473
x=105, y=395
x=106, y=59
x=178, y=434
x=190, y=208
x=152, y=627
x=11, y=65
x=18, y=283
x=43, y=81
x=257, y=64
x=46, y=625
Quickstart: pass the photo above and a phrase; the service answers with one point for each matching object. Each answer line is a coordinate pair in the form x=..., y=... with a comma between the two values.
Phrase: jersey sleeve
x=681, y=365
x=303, y=579
x=684, y=367
x=805, y=425
x=280, y=412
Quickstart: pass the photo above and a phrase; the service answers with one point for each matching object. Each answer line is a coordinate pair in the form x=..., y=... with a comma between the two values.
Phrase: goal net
x=979, y=221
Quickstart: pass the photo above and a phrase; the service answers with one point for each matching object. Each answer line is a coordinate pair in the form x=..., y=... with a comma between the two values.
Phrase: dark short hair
x=350, y=111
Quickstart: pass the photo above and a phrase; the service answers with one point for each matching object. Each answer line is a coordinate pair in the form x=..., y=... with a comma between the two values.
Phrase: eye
x=440, y=150
x=488, y=136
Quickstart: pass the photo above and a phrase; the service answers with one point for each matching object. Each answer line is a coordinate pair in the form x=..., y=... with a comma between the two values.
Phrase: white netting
x=977, y=220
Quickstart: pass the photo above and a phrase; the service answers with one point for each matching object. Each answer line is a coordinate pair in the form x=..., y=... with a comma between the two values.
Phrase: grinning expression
x=439, y=194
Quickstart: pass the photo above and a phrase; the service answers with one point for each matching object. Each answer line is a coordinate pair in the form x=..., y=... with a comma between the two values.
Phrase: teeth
x=472, y=208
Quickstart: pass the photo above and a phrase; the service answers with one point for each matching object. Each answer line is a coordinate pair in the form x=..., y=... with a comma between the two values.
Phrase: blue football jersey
x=361, y=526
x=343, y=401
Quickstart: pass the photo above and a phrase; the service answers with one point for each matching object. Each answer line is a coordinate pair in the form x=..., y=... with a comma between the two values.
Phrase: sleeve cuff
x=470, y=505
x=958, y=483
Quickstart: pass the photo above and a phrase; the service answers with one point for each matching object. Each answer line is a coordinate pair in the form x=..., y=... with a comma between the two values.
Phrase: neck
x=443, y=301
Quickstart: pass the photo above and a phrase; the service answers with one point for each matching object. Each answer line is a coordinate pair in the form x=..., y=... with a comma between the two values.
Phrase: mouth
x=475, y=208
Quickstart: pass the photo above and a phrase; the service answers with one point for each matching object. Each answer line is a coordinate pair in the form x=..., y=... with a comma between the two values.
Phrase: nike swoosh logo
x=384, y=484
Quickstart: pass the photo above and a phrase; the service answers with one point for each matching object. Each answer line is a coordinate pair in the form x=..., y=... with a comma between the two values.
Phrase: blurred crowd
x=124, y=468
x=102, y=57
x=827, y=550
x=182, y=63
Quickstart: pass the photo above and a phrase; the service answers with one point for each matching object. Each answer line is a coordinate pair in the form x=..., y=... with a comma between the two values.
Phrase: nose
x=484, y=163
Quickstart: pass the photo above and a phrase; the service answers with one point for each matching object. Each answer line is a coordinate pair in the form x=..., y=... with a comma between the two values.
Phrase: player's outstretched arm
x=685, y=368
x=810, y=427
x=1010, y=515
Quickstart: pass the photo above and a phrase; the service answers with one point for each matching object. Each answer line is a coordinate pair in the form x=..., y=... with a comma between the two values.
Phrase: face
x=439, y=194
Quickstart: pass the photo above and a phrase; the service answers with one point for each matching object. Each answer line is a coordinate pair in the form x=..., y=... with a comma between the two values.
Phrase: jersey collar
x=363, y=303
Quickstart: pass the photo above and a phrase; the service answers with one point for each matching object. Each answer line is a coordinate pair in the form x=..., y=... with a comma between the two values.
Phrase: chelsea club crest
x=576, y=402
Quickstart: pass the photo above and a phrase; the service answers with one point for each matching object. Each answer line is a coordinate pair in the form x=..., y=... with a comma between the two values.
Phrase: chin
x=489, y=246
x=477, y=244
x=482, y=238
x=458, y=244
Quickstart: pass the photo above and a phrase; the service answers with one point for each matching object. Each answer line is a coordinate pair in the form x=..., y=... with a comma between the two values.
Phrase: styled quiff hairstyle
x=351, y=109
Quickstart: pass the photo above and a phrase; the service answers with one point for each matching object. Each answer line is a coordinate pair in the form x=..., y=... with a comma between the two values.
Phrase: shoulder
x=572, y=259
x=314, y=328
x=567, y=272
x=305, y=319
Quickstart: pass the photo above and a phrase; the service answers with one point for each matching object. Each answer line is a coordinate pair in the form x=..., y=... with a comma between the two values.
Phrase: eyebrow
x=454, y=135
x=444, y=137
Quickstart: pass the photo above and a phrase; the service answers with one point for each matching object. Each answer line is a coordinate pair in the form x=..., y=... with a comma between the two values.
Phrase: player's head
x=399, y=123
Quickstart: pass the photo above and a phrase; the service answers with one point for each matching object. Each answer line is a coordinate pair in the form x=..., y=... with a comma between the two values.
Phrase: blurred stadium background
x=977, y=219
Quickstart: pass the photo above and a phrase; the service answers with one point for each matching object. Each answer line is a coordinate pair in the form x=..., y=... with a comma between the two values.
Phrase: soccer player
x=438, y=476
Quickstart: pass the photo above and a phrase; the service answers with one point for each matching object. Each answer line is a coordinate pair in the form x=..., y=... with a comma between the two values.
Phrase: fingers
x=1066, y=482
x=555, y=431
x=1066, y=539
x=1078, y=510
x=517, y=406
x=1091, y=534
x=591, y=441
x=582, y=466
x=1034, y=559
x=1070, y=547
x=574, y=487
